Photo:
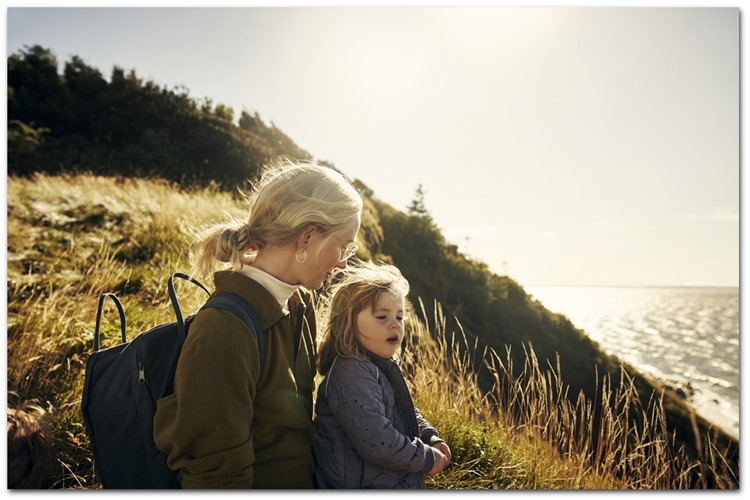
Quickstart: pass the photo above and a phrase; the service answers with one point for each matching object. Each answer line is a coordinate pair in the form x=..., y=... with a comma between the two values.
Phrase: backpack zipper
x=141, y=373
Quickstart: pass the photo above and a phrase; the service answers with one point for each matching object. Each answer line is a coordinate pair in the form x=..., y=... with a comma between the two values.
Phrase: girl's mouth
x=393, y=340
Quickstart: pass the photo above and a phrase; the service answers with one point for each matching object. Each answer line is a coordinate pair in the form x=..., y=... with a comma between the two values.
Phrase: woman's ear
x=307, y=234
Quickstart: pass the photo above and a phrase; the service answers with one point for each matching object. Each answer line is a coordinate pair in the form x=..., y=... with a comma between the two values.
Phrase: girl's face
x=381, y=329
x=326, y=253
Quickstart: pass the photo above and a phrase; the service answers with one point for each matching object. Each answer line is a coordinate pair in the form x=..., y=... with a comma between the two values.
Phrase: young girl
x=367, y=432
x=231, y=423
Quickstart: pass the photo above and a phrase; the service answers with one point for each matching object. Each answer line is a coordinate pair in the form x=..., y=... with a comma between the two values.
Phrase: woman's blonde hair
x=359, y=287
x=289, y=197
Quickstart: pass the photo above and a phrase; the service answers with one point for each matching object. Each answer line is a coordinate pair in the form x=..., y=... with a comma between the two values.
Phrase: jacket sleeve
x=356, y=401
x=205, y=426
x=427, y=432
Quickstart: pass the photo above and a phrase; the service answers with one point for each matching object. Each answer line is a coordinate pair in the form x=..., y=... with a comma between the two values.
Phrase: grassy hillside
x=74, y=236
x=496, y=312
x=71, y=238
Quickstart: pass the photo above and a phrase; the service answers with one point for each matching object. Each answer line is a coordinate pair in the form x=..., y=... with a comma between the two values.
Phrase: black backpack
x=123, y=383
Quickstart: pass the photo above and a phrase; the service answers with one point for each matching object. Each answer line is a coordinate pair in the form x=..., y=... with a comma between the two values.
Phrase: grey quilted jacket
x=359, y=440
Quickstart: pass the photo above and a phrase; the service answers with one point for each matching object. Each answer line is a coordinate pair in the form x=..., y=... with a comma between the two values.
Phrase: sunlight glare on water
x=683, y=336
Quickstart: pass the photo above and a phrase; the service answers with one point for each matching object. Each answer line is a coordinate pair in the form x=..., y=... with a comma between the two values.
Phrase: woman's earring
x=302, y=259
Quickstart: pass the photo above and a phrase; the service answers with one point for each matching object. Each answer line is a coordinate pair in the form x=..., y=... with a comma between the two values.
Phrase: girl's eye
x=380, y=317
x=399, y=318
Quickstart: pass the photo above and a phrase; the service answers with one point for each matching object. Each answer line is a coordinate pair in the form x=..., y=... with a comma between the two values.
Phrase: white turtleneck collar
x=280, y=290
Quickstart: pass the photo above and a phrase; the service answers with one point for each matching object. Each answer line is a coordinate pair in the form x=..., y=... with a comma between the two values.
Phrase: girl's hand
x=443, y=447
x=440, y=462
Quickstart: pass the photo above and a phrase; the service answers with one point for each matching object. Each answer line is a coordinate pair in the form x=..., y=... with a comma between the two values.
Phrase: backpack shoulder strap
x=297, y=337
x=235, y=304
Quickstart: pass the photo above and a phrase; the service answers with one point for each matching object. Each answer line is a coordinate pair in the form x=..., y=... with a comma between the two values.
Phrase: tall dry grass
x=527, y=433
x=71, y=238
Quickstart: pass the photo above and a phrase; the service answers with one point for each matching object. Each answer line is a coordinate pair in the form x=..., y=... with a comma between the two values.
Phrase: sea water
x=686, y=337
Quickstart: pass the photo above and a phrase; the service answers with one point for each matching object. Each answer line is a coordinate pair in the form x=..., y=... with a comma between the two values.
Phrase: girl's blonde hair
x=360, y=287
x=289, y=197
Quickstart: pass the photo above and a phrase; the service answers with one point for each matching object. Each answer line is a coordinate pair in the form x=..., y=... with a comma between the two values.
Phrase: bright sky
x=562, y=145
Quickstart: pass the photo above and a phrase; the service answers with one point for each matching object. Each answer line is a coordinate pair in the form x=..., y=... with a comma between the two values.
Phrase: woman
x=229, y=423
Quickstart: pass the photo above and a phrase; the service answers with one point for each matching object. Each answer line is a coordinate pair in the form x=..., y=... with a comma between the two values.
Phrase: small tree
x=417, y=207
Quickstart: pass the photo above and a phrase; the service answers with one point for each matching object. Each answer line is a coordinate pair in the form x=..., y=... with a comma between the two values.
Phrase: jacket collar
x=267, y=308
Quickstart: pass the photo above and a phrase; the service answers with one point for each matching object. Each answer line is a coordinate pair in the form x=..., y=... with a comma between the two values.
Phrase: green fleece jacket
x=230, y=424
